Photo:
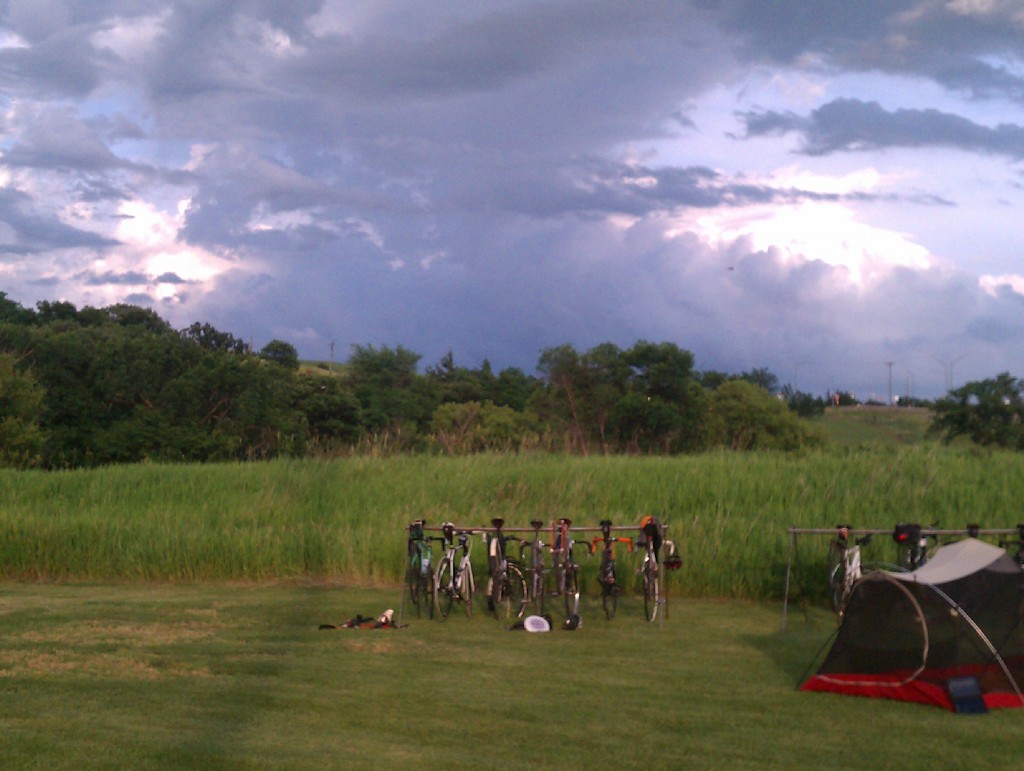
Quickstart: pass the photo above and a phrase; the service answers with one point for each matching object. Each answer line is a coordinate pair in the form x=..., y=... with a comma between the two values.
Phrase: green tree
x=13, y=313
x=210, y=338
x=393, y=397
x=21, y=405
x=330, y=408
x=762, y=377
x=281, y=353
x=563, y=402
x=743, y=416
x=467, y=427
x=989, y=412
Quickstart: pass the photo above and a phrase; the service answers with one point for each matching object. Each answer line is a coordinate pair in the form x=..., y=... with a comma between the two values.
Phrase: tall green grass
x=342, y=520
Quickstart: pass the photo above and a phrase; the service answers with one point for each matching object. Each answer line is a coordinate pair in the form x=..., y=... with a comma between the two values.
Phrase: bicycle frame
x=454, y=583
x=606, y=574
x=419, y=568
x=506, y=588
x=845, y=566
x=913, y=545
x=567, y=570
x=650, y=573
x=535, y=571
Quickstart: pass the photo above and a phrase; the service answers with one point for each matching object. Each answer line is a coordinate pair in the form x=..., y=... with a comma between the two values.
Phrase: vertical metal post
x=789, y=568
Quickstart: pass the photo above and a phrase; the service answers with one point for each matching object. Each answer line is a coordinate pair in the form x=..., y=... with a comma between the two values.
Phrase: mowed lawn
x=239, y=676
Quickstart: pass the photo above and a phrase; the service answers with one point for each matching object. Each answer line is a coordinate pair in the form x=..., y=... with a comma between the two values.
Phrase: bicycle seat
x=497, y=522
x=536, y=524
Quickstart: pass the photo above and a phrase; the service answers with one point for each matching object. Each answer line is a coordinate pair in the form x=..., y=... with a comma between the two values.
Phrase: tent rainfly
x=920, y=636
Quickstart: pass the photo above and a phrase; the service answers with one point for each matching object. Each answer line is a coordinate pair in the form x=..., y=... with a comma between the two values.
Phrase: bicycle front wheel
x=517, y=596
x=464, y=587
x=837, y=577
x=412, y=585
x=537, y=590
x=426, y=589
x=651, y=591
x=444, y=589
x=572, y=591
x=610, y=596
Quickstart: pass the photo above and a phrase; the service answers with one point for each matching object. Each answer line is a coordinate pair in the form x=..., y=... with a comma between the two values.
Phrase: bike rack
x=484, y=529
x=972, y=531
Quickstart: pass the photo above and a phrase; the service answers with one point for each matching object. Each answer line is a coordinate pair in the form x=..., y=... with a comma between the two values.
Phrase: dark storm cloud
x=851, y=125
x=963, y=46
x=109, y=277
x=478, y=177
x=35, y=231
x=55, y=138
x=62, y=65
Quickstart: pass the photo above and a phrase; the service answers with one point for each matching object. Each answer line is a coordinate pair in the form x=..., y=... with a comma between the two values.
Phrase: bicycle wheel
x=572, y=591
x=412, y=584
x=444, y=589
x=651, y=590
x=517, y=597
x=610, y=596
x=537, y=591
x=426, y=589
x=498, y=592
x=464, y=587
x=837, y=577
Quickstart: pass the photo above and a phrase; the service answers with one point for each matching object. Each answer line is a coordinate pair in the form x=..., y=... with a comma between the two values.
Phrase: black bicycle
x=912, y=545
x=506, y=590
x=610, y=586
x=566, y=569
x=1018, y=555
x=419, y=571
x=531, y=554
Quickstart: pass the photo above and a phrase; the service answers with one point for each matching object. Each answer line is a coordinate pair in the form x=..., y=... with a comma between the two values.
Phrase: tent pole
x=789, y=567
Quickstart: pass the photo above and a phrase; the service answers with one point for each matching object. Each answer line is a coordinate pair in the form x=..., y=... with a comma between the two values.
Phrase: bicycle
x=454, y=583
x=535, y=572
x=606, y=573
x=419, y=573
x=912, y=542
x=650, y=573
x=844, y=566
x=506, y=588
x=567, y=570
x=1019, y=543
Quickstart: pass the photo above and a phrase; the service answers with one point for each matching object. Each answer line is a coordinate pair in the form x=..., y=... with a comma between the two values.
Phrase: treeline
x=111, y=385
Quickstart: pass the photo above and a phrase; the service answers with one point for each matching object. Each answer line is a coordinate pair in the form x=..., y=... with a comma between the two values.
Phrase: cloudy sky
x=818, y=188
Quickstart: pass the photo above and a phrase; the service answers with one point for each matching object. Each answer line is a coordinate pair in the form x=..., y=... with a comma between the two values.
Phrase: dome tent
x=921, y=636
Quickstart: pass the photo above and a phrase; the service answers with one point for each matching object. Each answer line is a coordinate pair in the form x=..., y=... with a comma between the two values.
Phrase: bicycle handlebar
x=612, y=541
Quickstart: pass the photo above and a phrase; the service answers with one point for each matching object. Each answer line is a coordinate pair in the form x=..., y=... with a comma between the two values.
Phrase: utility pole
x=889, y=365
x=330, y=365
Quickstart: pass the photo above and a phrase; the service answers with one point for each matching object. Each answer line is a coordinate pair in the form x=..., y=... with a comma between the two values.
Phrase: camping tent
x=917, y=636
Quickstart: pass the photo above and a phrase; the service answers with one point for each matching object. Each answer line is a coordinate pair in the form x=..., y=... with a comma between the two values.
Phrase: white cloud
x=993, y=284
x=131, y=38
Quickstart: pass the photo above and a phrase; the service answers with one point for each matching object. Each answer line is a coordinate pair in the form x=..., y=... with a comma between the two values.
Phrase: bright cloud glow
x=993, y=284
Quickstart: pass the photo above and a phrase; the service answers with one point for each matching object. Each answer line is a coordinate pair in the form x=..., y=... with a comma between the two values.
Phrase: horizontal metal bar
x=888, y=531
x=572, y=528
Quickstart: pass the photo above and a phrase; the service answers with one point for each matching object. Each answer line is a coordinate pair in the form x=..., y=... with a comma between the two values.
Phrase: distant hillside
x=870, y=425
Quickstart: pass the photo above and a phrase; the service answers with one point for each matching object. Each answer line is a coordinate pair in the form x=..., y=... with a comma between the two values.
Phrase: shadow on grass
x=798, y=650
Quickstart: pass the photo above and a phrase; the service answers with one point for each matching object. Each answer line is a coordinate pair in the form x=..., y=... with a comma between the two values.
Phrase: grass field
x=167, y=616
x=238, y=677
x=871, y=426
